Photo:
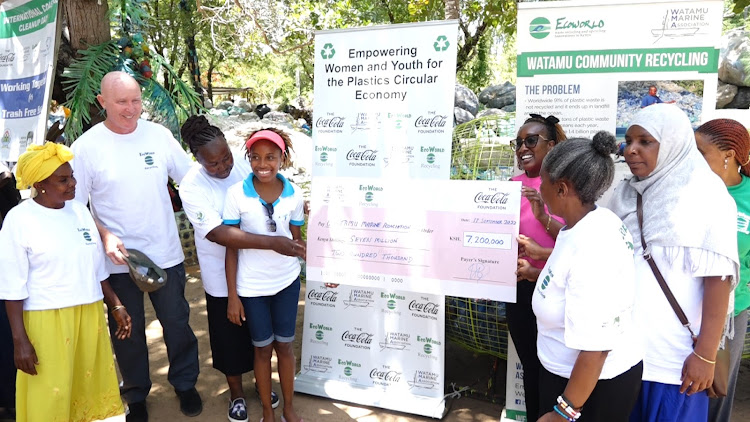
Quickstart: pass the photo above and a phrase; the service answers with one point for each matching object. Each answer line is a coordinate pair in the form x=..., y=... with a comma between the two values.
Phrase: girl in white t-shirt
x=588, y=345
x=264, y=284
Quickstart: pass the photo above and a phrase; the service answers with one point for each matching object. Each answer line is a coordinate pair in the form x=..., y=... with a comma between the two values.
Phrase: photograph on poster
x=635, y=95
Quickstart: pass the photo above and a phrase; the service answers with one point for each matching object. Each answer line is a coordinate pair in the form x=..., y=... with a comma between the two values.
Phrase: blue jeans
x=173, y=313
x=272, y=317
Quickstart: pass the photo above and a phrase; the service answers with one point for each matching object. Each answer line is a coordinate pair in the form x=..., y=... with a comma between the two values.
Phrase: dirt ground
x=463, y=369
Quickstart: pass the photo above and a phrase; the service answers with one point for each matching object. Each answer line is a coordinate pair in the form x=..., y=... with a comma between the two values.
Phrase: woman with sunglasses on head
x=535, y=139
x=725, y=144
x=264, y=284
x=677, y=207
x=203, y=190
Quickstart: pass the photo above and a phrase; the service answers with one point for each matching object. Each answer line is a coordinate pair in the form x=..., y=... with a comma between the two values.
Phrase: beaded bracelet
x=560, y=412
x=568, y=408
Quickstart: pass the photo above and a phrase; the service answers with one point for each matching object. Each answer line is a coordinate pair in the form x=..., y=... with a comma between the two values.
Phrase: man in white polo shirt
x=122, y=166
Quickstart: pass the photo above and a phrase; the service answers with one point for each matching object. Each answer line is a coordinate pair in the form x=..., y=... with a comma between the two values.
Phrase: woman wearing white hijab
x=689, y=229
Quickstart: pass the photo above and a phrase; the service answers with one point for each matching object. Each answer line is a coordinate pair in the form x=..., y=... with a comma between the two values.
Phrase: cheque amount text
x=487, y=240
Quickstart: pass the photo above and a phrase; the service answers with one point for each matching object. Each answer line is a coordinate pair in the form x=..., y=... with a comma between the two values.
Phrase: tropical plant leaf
x=82, y=80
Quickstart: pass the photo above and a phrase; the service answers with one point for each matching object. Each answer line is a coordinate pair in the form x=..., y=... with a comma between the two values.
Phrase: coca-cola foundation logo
x=357, y=339
x=385, y=376
x=491, y=198
x=327, y=298
x=7, y=57
x=431, y=121
x=362, y=155
x=424, y=309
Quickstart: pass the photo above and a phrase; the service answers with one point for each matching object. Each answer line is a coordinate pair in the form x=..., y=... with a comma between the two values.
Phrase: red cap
x=268, y=135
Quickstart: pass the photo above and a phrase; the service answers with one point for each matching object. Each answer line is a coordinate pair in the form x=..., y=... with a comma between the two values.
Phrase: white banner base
x=431, y=407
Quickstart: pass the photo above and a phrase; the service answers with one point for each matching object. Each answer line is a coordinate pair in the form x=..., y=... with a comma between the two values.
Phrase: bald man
x=122, y=166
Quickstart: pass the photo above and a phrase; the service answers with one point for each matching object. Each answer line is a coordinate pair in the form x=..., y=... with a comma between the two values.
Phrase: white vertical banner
x=384, y=101
x=592, y=65
x=383, y=110
x=27, y=51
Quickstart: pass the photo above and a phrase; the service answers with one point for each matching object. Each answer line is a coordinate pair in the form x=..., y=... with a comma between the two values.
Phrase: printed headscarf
x=39, y=162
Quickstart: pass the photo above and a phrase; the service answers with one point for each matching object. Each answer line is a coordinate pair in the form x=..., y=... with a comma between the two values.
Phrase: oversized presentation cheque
x=451, y=237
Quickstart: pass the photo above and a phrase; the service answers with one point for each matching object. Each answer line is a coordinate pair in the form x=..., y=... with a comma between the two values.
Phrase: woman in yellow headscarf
x=53, y=280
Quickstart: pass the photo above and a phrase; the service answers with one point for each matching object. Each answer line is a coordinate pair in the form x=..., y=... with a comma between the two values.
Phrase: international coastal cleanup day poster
x=27, y=42
x=383, y=110
x=595, y=65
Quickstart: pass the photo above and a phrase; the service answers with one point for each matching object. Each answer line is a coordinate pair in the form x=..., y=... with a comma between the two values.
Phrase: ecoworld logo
x=320, y=331
x=430, y=158
x=369, y=196
x=324, y=156
x=545, y=283
x=540, y=28
x=319, y=335
x=86, y=236
x=348, y=371
x=328, y=51
x=149, y=160
x=428, y=347
x=391, y=304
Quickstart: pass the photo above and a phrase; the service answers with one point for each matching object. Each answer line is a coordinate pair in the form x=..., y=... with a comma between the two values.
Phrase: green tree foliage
x=169, y=100
x=283, y=30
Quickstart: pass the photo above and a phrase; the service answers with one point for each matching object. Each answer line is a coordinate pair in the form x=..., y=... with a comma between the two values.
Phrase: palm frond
x=161, y=105
x=82, y=80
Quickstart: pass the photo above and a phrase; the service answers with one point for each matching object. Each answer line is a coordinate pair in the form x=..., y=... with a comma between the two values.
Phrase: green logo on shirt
x=87, y=236
x=149, y=160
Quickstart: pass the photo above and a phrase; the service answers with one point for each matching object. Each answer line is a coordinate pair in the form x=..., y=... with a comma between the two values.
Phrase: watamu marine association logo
x=318, y=363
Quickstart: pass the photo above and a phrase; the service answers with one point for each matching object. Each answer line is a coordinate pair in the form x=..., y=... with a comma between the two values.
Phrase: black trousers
x=7, y=364
x=522, y=328
x=612, y=400
x=173, y=312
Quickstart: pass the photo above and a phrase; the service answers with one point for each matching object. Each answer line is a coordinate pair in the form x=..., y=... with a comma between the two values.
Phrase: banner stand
x=432, y=407
x=515, y=401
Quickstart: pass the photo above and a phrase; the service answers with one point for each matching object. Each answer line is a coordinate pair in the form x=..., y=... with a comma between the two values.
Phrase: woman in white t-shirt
x=689, y=227
x=588, y=345
x=203, y=190
x=264, y=284
x=53, y=279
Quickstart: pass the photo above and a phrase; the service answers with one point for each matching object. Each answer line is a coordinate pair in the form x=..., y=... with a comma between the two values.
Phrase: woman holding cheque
x=588, y=345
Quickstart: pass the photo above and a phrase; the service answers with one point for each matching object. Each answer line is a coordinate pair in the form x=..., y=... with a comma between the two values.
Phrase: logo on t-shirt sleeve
x=743, y=223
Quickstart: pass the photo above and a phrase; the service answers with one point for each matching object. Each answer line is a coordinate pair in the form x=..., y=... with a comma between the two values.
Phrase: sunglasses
x=530, y=141
x=271, y=224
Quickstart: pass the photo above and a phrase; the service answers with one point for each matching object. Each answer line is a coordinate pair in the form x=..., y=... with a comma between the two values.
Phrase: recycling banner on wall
x=27, y=43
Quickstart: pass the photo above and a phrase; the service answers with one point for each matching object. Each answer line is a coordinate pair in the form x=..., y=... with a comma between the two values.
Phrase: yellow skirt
x=76, y=379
